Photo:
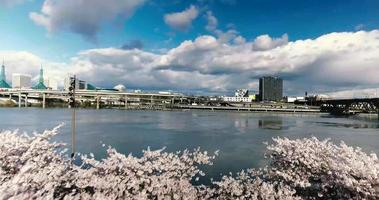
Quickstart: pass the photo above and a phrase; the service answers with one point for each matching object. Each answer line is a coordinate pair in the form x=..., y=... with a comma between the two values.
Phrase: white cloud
x=355, y=93
x=212, y=22
x=82, y=16
x=265, y=42
x=331, y=62
x=223, y=36
x=182, y=21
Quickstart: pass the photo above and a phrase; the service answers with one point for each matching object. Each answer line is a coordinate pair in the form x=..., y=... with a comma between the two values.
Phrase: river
x=238, y=135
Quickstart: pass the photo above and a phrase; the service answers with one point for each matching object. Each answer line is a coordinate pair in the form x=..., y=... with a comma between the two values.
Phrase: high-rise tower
x=270, y=88
x=3, y=81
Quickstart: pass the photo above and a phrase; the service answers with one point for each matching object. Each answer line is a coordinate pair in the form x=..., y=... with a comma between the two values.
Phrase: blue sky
x=146, y=23
x=299, y=19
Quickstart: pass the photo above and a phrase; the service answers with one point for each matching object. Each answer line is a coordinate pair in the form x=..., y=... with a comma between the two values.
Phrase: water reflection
x=349, y=125
x=271, y=124
x=241, y=125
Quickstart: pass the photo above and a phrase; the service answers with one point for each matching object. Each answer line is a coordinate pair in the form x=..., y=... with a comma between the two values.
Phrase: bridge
x=350, y=106
x=99, y=97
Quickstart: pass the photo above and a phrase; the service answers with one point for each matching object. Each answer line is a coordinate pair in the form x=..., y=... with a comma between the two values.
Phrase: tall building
x=21, y=81
x=40, y=85
x=270, y=88
x=51, y=83
x=3, y=81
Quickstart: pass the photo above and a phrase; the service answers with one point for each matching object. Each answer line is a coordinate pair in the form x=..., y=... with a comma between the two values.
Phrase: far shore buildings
x=240, y=95
x=21, y=81
x=24, y=81
x=79, y=84
x=270, y=88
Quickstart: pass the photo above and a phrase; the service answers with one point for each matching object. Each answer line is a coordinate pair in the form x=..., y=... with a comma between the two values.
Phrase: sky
x=199, y=46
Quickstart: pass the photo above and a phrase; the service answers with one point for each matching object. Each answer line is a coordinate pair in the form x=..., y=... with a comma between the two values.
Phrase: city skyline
x=199, y=46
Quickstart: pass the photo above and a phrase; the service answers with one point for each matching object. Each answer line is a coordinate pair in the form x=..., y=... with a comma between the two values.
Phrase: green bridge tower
x=40, y=85
x=3, y=81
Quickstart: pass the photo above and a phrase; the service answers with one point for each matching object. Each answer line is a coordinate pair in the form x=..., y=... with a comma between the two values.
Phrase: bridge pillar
x=151, y=101
x=26, y=100
x=98, y=102
x=43, y=100
x=19, y=99
x=126, y=101
x=10, y=96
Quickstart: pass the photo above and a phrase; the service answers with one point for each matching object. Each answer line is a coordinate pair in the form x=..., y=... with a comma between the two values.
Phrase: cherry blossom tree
x=34, y=167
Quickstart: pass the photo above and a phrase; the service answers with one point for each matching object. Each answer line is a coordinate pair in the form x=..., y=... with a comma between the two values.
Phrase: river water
x=239, y=136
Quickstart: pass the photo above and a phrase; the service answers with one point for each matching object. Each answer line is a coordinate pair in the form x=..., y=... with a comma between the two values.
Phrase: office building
x=51, y=83
x=21, y=81
x=270, y=88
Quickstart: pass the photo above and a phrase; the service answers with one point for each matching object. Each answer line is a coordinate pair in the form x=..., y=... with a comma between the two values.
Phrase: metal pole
x=73, y=122
x=73, y=131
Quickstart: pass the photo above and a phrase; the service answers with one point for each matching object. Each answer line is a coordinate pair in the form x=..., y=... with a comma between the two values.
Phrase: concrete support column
x=151, y=101
x=97, y=102
x=26, y=100
x=126, y=102
x=43, y=100
x=10, y=96
x=19, y=99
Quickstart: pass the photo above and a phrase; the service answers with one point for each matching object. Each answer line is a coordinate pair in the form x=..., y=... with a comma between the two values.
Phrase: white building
x=21, y=81
x=51, y=83
x=293, y=99
x=237, y=99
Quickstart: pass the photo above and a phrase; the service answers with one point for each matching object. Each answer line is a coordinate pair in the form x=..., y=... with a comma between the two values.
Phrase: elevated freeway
x=93, y=96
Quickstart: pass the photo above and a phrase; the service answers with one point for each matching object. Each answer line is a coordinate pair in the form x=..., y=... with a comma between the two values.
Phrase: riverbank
x=11, y=103
x=248, y=109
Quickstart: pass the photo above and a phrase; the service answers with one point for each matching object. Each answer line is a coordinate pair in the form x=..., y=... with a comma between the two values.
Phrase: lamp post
x=71, y=102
